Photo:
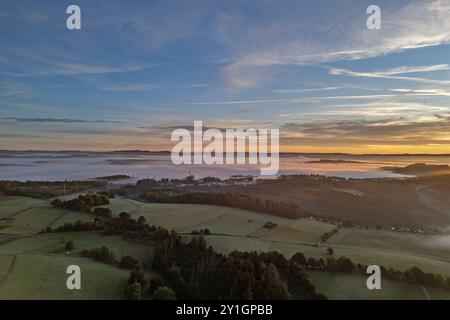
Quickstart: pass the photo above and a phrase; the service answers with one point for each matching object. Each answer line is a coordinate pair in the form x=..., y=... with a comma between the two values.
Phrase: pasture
x=185, y=218
x=341, y=286
x=53, y=245
x=434, y=245
x=31, y=220
x=44, y=277
x=38, y=271
x=237, y=229
x=231, y=229
x=14, y=205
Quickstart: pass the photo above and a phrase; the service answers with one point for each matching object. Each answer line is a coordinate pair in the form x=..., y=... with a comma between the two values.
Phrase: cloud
x=9, y=89
x=391, y=73
x=307, y=99
x=414, y=69
x=157, y=24
x=131, y=88
x=45, y=61
x=196, y=85
x=416, y=25
x=381, y=109
x=391, y=131
x=239, y=102
x=79, y=69
x=430, y=92
x=16, y=135
x=56, y=120
x=305, y=90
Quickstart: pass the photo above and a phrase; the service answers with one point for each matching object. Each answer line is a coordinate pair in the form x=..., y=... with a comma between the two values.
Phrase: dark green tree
x=164, y=293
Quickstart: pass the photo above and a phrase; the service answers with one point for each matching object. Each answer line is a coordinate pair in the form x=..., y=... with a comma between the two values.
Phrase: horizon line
x=168, y=152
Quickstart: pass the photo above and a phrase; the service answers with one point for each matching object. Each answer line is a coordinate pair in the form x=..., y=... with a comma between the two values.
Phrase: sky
x=137, y=70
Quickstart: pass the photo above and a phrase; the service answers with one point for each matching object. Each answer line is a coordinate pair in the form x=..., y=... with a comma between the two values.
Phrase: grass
x=118, y=205
x=39, y=271
x=12, y=205
x=44, y=277
x=5, y=263
x=72, y=217
x=390, y=249
x=218, y=219
x=31, y=220
x=339, y=286
x=232, y=229
x=53, y=244
x=24, y=245
x=390, y=240
x=396, y=259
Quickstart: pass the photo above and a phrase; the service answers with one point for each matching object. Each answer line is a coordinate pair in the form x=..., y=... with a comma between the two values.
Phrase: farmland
x=44, y=277
x=39, y=264
x=351, y=286
x=229, y=229
x=236, y=229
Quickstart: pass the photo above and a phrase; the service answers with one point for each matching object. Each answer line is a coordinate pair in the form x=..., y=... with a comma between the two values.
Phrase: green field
x=5, y=263
x=218, y=219
x=44, y=277
x=397, y=241
x=31, y=220
x=39, y=269
x=14, y=205
x=231, y=229
x=396, y=259
x=339, y=286
x=72, y=217
x=53, y=244
x=236, y=229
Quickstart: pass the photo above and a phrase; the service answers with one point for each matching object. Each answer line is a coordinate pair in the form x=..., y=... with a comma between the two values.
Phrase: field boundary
x=11, y=266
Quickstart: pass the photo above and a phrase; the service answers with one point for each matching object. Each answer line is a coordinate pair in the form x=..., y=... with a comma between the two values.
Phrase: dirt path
x=11, y=266
x=425, y=292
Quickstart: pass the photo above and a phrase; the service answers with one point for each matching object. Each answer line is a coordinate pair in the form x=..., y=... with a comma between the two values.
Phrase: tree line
x=83, y=203
x=45, y=189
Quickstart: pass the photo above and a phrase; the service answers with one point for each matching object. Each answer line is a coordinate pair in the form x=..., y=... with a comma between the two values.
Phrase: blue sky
x=138, y=69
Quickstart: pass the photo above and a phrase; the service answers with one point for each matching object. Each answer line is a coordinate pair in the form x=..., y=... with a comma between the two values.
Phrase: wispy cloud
x=305, y=90
x=381, y=109
x=56, y=120
x=390, y=131
x=416, y=25
x=131, y=88
x=392, y=73
x=316, y=99
x=196, y=85
x=9, y=89
x=430, y=91
x=43, y=61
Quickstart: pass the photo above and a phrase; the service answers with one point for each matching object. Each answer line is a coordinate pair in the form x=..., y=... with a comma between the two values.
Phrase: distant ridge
x=421, y=169
x=282, y=153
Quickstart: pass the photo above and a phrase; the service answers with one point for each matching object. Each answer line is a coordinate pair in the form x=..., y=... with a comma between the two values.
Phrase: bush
x=127, y=262
x=69, y=246
x=103, y=212
x=164, y=293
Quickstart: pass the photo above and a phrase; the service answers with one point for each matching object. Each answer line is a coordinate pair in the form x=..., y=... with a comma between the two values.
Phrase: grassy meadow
x=32, y=266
